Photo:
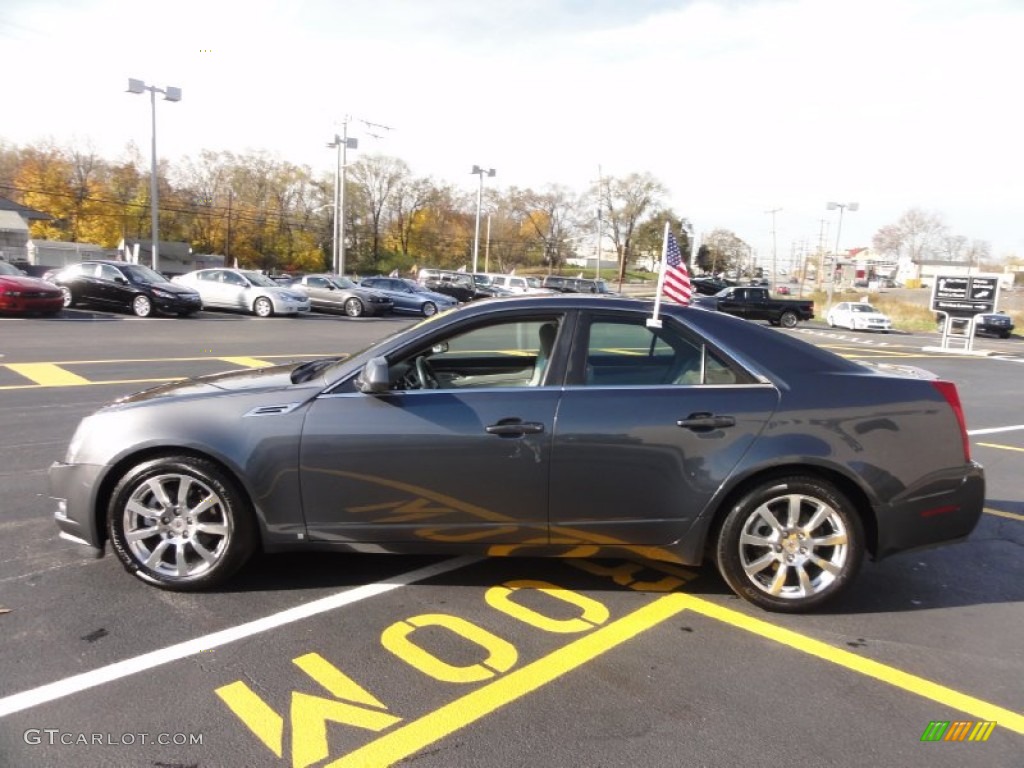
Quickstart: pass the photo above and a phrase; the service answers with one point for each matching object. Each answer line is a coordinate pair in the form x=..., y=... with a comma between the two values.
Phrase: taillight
x=948, y=391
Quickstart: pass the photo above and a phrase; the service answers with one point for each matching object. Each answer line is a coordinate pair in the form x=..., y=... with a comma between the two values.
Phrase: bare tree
x=917, y=236
x=375, y=178
x=623, y=204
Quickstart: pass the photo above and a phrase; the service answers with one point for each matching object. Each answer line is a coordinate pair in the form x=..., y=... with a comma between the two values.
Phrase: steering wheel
x=425, y=374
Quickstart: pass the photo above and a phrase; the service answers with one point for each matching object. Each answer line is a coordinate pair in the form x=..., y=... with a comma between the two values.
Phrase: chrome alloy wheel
x=793, y=546
x=176, y=526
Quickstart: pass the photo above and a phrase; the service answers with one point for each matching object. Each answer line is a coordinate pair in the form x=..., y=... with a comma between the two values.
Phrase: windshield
x=342, y=282
x=534, y=282
x=9, y=269
x=139, y=273
x=863, y=308
x=258, y=278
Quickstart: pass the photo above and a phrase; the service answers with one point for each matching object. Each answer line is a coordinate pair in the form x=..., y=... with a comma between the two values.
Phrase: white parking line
x=76, y=683
x=994, y=430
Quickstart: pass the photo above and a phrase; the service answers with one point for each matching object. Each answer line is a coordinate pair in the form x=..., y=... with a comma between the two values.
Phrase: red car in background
x=21, y=293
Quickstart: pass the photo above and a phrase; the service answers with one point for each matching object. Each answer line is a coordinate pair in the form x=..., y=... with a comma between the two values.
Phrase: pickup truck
x=755, y=303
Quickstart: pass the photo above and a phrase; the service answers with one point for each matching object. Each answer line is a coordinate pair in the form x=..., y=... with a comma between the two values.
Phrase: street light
x=479, y=200
x=342, y=144
x=839, y=229
x=170, y=94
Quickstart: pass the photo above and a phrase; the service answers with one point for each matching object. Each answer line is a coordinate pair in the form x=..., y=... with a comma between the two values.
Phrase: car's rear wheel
x=790, y=544
x=353, y=307
x=429, y=308
x=788, y=320
x=142, y=306
x=69, y=298
x=1004, y=334
x=262, y=307
x=180, y=523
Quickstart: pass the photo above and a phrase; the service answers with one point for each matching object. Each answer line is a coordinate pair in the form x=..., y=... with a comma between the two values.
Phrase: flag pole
x=655, y=321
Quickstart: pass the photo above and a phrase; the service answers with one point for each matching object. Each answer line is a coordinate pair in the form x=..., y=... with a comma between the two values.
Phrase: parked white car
x=858, y=316
x=517, y=284
x=245, y=290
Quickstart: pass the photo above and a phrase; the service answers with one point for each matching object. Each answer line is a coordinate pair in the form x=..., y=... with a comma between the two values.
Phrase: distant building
x=59, y=253
x=14, y=234
x=174, y=258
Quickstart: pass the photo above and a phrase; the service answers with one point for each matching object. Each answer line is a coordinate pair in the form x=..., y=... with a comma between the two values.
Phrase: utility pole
x=775, y=256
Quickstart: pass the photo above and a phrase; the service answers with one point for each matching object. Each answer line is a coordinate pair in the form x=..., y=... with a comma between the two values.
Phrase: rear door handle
x=700, y=422
x=515, y=428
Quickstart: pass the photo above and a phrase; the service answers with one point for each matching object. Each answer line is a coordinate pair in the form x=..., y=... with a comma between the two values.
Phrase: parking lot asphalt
x=379, y=660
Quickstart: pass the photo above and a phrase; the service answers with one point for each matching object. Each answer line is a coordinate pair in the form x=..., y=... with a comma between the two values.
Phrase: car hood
x=273, y=377
x=25, y=283
x=175, y=288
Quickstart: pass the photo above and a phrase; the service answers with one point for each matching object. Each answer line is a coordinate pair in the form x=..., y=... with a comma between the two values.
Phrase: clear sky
x=737, y=106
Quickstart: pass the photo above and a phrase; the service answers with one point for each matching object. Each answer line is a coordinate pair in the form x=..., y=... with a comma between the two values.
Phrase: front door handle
x=701, y=422
x=514, y=428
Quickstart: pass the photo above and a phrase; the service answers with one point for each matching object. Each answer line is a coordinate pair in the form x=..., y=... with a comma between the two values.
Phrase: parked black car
x=120, y=285
x=576, y=285
x=993, y=323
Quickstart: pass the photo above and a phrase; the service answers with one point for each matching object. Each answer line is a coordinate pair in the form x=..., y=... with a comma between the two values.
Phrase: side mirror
x=375, y=378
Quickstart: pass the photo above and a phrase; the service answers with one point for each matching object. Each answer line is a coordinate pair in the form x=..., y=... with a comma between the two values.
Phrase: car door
x=651, y=424
x=465, y=463
x=113, y=288
x=320, y=294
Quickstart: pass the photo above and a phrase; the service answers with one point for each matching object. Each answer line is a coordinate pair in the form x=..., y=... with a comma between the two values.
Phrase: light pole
x=839, y=229
x=775, y=265
x=170, y=94
x=479, y=201
x=342, y=144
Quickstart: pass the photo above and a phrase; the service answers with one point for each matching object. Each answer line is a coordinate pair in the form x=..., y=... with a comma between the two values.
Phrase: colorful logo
x=958, y=730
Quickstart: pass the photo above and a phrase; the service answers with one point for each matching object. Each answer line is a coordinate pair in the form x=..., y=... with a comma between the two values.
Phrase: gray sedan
x=332, y=293
x=700, y=436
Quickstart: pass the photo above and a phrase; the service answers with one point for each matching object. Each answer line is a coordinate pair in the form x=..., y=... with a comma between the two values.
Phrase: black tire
x=167, y=546
x=1004, y=334
x=69, y=297
x=429, y=308
x=263, y=307
x=142, y=306
x=353, y=307
x=788, y=320
x=774, y=541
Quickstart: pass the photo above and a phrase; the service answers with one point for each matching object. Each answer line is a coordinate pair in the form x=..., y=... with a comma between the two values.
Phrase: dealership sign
x=965, y=296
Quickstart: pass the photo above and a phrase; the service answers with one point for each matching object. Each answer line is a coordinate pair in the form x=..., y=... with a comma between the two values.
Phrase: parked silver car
x=244, y=290
x=332, y=293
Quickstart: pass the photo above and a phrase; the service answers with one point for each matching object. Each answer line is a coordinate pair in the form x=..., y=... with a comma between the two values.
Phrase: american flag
x=677, y=279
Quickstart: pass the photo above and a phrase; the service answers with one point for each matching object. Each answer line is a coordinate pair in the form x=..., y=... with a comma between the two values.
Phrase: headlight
x=162, y=294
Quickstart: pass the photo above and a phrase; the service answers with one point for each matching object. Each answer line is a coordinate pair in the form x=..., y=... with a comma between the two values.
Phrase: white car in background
x=245, y=290
x=858, y=316
x=518, y=284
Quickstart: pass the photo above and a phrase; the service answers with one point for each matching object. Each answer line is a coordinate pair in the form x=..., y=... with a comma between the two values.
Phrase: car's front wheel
x=142, y=306
x=262, y=307
x=69, y=297
x=353, y=307
x=180, y=523
x=429, y=308
x=790, y=544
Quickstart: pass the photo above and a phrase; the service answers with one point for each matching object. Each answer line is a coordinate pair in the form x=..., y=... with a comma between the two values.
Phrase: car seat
x=546, y=335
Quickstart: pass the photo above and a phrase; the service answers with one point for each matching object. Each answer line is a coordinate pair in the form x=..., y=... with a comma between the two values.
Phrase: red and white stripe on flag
x=676, y=283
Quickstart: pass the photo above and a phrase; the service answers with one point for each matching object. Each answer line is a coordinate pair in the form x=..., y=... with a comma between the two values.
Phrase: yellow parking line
x=48, y=374
x=1007, y=515
x=981, y=710
x=408, y=739
x=246, y=362
x=1002, y=447
x=87, y=383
